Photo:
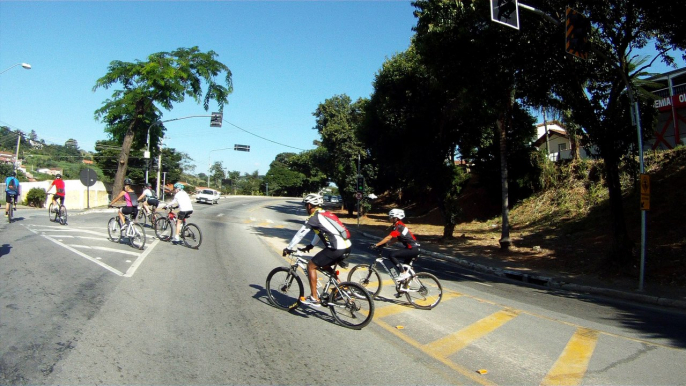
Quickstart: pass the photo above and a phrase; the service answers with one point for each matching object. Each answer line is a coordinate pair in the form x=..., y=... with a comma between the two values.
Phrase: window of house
x=561, y=146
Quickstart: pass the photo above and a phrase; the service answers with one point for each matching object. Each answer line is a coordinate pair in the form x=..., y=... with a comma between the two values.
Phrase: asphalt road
x=76, y=308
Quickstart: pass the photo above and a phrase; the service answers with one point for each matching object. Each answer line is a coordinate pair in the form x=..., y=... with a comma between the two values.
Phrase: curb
x=551, y=282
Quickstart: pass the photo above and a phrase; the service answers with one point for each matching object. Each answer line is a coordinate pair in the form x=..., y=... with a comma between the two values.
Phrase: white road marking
x=105, y=249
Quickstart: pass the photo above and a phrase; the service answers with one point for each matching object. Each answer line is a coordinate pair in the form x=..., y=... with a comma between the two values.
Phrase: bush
x=36, y=197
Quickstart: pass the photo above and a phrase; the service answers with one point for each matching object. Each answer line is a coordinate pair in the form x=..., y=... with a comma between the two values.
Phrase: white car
x=208, y=196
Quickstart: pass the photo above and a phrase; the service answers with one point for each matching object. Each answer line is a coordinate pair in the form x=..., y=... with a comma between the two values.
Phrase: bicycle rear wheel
x=366, y=276
x=284, y=288
x=353, y=306
x=163, y=229
x=424, y=291
x=62, y=215
x=191, y=236
x=10, y=212
x=137, y=238
x=114, y=229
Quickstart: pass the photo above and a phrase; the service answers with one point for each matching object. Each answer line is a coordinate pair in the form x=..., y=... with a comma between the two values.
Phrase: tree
x=164, y=79
x=217, y=173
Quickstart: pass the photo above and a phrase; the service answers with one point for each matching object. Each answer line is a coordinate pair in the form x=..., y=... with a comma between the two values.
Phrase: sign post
x=88, y=178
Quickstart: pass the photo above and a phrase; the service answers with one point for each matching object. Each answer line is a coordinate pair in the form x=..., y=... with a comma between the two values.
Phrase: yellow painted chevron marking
x=572, y=364
x=455, y=342
x=473, y=377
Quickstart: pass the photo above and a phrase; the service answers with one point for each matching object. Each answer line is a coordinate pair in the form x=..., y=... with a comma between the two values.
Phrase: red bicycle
x=190, y=233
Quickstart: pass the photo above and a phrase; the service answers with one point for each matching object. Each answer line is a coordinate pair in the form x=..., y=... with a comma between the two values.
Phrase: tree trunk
x=620, y=253
x=123, y=163
x=502, y=127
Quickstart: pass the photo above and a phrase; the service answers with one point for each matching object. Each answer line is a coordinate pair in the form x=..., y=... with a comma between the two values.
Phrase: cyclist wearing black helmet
x=131, y=201
x=11, y=191
x=58, y=183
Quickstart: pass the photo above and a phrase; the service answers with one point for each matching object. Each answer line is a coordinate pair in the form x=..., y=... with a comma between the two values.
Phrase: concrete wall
x=77, y=196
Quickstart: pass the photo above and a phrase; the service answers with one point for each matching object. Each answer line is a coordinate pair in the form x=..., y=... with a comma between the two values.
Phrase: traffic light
x=360, y=183
x=576, y=38
x=241, y=147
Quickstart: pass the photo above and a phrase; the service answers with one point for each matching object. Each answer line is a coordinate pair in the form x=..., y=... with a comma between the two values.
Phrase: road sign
x=241, y=147
x=88, y=177
x=216, y=119
x=576, y=37
x=645, y=192
x=505, y=12
x=358, y=195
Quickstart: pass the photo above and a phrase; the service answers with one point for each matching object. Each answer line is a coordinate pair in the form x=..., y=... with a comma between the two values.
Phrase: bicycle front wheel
x=163, y=229
x=114, y=229
x=141, y=217
x=352, y=306
x=154, y=218
x=366, y=276
x=424, y=291
x=62, y=215
x=191, y=236
x=137, y=238
x=51, y=211
x=284, y=288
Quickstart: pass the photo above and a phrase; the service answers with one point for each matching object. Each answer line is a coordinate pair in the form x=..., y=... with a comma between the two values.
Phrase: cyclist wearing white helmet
x=400, y=232
x=58, y=183
x=183, y=200
x=131, y=201
x=334, y=235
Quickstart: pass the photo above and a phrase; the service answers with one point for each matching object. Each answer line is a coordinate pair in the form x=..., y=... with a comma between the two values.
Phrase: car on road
x=208, y=196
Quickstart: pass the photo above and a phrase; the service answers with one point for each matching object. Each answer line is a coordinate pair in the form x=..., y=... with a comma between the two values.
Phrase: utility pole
x=16, y=157
x=159, y=168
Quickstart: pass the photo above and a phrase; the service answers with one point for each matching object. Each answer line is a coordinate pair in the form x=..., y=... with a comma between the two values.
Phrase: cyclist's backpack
x=12, y=186
x=336, y=223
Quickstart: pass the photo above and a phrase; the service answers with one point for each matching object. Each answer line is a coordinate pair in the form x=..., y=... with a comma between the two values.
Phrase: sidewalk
x=620, y=289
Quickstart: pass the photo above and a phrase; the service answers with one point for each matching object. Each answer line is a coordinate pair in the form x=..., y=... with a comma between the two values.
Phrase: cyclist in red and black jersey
x=401, y=233
x=58, y=183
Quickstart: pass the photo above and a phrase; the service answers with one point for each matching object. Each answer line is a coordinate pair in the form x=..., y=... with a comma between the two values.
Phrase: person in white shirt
x=183, y=200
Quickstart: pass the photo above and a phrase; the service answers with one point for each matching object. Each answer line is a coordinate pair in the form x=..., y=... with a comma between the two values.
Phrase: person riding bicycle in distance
x=131, y=201
x=148, y=197
x=11, y=191
x=58, y=183
x=400, y=232
x=183, y=200
x=335, y=246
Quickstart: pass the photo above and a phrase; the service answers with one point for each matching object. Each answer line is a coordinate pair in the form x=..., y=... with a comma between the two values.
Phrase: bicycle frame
x=380, y=259
x=332, y=279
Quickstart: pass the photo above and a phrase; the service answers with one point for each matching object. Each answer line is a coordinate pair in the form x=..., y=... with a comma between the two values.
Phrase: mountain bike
x=422, y=289
x=190, y=233
x=130, y=230
x=349, y=303
x=148, y=214
x=13, y=205
x=57, y=213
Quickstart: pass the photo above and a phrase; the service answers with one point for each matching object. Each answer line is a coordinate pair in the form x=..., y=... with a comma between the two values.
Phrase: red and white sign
x=665, y=104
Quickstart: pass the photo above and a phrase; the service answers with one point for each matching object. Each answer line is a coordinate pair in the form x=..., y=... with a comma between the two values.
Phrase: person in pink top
x=131, y=201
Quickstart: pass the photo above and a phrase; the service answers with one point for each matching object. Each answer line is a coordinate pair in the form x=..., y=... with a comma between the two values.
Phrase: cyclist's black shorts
x=327, y=257
x=133, y=210
x=8, y=196
x=183, y=215
x=153, y=201
x=406, y=254
x=61, y=198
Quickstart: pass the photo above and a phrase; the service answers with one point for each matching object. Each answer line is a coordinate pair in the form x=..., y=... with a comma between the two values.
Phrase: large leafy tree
x=337, y=120
x=164, y=79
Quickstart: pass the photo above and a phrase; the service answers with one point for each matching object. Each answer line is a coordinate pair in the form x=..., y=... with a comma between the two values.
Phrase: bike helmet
x=58, y=175
x=314, y=199
x=397, y=213
x=128, y=181
x=178, y=185
x=148, y=185
x=13, y=174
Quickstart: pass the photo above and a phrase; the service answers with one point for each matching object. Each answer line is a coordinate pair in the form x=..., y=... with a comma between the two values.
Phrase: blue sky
x=286, y=57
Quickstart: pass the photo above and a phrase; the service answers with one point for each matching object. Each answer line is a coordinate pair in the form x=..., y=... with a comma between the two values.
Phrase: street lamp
x=25, y=65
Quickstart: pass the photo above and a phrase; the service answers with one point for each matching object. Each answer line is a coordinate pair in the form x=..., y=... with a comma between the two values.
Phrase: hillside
x=566, y=228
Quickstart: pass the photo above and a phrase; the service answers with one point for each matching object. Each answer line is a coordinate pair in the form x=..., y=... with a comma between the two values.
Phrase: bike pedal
x=398, y=295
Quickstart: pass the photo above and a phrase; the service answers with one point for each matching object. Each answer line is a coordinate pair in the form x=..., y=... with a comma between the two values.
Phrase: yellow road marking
x=470, y=374
x=455, y=342
x=571, y=366
x=385, y=311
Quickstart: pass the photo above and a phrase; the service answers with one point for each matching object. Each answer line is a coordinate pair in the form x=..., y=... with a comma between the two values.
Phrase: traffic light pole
x=358, y=201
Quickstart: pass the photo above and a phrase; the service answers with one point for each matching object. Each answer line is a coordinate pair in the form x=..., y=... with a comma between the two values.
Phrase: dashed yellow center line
x=571, y=365
x=455, y=342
